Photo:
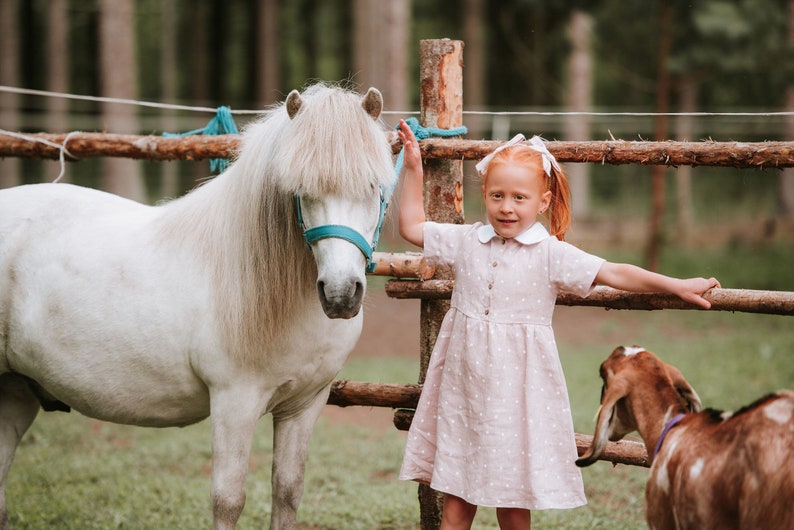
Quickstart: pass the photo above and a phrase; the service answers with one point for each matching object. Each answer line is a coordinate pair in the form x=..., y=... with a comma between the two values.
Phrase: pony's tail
x=560, y=208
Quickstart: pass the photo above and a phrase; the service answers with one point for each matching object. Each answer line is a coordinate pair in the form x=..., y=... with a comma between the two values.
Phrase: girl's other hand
x=412, y=158
x=693, y=289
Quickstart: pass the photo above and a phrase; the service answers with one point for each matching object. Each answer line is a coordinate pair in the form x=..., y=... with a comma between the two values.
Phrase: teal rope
x=222, y=123
x=423, y=133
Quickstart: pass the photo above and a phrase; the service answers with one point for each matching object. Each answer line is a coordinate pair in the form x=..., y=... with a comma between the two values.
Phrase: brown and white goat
x=709, y=470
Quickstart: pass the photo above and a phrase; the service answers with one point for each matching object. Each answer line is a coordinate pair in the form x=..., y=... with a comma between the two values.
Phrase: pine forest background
x=534, y=60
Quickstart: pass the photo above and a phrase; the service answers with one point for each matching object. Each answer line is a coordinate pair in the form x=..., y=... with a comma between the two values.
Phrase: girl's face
x=514, y=197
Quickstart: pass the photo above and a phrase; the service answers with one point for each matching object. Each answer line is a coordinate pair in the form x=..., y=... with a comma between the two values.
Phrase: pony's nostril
x=359, y=290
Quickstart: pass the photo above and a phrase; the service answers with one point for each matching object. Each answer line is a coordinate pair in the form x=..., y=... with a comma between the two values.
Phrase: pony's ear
x=294, y=103
x=373, y=102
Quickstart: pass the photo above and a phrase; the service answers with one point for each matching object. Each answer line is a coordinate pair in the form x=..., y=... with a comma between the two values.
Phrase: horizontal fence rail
x=413, y=265
x=670, y=153
x=742, y=300
x=346, y=393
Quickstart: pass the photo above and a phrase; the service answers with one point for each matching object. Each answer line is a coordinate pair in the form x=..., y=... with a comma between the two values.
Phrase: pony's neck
x=248, y=236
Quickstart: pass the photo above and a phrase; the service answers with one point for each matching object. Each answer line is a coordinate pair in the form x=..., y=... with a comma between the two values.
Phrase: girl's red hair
x=557, y=183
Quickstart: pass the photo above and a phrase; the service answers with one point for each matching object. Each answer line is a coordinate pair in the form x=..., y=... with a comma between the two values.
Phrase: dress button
x=490, y=286
x=487, y=311
x=493, y=264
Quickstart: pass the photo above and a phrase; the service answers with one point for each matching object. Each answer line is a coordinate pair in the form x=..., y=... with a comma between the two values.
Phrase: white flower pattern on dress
x=493, y=425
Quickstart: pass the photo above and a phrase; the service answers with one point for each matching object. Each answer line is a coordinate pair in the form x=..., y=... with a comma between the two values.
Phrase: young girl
x=493, y=426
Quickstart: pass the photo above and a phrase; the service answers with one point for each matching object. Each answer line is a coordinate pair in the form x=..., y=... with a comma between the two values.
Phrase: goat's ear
x=611, y=395
x=373, y=102
x=293, y=103
x=684, y=389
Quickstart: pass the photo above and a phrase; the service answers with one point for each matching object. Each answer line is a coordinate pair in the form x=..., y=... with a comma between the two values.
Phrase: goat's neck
x=651, y=417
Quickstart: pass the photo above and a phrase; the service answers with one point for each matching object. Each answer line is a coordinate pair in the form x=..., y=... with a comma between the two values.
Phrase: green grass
x=76, y=473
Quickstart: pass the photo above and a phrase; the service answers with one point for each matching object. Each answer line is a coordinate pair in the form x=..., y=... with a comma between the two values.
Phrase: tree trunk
x=579, y=89
x=268, y=53
x=685, y=129
x=199, y=69
x=57, y=73
x=474, y=54
x=380, y=49
x=786, y=201
x=655, y=235
x=118, y=79
x=9, y=75
x=169, y=176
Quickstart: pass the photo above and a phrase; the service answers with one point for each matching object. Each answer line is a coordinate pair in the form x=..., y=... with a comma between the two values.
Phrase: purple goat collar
x=670, y=424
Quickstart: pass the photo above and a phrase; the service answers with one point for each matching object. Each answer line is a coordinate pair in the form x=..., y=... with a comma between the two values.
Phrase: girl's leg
x=514, y=518
x=457, y=514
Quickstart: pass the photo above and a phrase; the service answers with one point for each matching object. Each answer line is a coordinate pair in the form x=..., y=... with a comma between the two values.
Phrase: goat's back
x=727, y=471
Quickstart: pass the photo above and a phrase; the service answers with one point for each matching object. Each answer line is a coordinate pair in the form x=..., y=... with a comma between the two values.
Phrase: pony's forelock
x=330, y=145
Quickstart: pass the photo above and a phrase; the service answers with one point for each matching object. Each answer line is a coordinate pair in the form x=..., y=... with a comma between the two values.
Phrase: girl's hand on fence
x=693, y=289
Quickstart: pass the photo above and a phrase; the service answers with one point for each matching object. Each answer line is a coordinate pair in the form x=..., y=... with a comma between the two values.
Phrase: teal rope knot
x=222, y=123
x=422, y=133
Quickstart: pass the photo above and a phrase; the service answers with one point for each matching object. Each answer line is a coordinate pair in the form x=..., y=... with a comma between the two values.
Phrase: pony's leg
x=291, y=433
x=234, y=414
x=18, y=409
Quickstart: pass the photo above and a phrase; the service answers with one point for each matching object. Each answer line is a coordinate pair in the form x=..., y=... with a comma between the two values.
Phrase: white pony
x=209, y=305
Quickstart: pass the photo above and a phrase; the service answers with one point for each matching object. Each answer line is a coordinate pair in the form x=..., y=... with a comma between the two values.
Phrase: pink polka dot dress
x=493, y=425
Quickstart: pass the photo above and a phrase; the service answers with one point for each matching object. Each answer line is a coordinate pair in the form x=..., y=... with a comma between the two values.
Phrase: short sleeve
x=573, y=270
x=443, y=242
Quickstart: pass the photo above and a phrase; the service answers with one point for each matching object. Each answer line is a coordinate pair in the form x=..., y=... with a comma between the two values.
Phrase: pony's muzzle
x=341, y=299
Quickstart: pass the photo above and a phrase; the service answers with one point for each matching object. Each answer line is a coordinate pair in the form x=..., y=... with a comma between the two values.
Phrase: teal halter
x=316, y=233
x=348, y=234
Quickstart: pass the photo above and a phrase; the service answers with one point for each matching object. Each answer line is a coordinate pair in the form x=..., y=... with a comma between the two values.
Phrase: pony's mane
x=245, y=221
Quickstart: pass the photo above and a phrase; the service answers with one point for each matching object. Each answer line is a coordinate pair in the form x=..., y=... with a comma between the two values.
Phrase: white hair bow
x=536, y=143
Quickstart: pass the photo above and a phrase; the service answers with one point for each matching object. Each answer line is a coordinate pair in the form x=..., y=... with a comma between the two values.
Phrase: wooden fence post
x=441, y=105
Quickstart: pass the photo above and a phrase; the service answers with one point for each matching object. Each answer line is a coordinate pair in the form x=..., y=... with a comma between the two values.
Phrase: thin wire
x=46, y=93
x=169, y=106
x=582, y=113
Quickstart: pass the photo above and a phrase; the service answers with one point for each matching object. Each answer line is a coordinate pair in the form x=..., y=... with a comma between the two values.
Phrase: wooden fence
x=441, y=106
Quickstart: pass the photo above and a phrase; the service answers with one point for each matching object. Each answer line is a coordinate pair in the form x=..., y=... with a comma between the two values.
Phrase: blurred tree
x=684, y=132
x=786, y=204
x=380, y=48
x=169, y=66
x=579, y=87
x=118, y=68
x=743, y=45
x=57, y=73
x=530, y=48
x=57, y=66
x=268, y=53
x=474, y=62
x=9, y=75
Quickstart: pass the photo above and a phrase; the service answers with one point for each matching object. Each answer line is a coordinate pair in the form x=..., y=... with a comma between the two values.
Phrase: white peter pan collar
x=534, y=234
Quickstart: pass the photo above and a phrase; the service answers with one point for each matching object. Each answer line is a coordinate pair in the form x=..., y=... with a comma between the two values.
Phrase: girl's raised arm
x=412, y=211
x=636, y=279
